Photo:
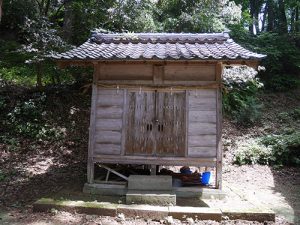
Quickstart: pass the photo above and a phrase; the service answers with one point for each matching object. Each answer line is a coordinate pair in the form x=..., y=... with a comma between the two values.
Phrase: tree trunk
x=293, y=20
x=68, y=18
x=297, y=21
x=47, y=8
x=1, y=1
x=252, y=12
x=263, y=27
x=270, y=7
x=282, y=17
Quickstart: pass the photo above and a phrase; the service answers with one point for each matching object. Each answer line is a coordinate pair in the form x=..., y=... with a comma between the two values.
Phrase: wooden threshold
x=150, y=160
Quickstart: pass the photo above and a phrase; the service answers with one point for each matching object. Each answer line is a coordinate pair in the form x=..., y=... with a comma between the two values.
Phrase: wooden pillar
x=90, y=163
x=219, y=71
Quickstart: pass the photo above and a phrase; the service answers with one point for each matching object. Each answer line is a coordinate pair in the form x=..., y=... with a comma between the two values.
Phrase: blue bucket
x=205, y=178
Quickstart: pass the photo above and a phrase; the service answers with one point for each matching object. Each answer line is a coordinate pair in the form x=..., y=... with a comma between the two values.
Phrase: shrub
x=253, y=153
x=282, y=83
x=240, y=95
x=279, y=150
x=29, y=119
x=285, y=148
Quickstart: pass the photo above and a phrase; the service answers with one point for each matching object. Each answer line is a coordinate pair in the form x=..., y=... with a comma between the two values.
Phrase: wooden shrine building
x=156, y=97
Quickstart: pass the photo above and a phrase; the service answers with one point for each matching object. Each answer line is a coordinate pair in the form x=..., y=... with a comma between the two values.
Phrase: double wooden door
x=156, y=123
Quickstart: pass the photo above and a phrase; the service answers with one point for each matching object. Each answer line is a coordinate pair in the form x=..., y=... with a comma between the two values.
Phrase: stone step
x=164, y=198
x=152, y=183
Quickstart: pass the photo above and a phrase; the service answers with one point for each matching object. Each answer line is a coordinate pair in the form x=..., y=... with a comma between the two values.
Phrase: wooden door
x=156, y=123
x=171, y=126
x=140, y=133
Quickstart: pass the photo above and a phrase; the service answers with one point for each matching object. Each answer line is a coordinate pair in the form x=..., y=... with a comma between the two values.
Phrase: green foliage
x=15, y=12
x=282, y=83
x=5, y=175
x=283, y=56
x=12, y=143
x=29, y=119
x=240, y=95
x=285, y=148
x=278, y=150
x=253, y=153
x=196, y=16
x=249, y=111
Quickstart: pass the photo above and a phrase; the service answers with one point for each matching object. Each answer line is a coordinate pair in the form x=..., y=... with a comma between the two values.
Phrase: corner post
x=219, y=72
x=91, y=163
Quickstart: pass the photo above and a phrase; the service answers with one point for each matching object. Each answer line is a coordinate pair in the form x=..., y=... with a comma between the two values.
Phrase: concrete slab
x=152, y=183
x=200, y=213
x=105, y=189
x=163, y=198
x=96, y=208
x=155, y=212
x=144, y=211
x=199, y=192
x=254, y=214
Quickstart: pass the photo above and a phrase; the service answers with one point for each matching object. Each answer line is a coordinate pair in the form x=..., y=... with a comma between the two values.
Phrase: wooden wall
x=109, y=121
x=202, y=118
x=113, y=82
x=112, y=122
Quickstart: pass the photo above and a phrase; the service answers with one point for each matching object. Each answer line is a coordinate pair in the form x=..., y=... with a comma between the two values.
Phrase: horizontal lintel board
x=183, y=72
x=126, y=72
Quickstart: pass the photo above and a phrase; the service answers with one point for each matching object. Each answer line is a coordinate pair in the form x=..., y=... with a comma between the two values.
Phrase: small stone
x=53, y=211
x=121, y=217
x=169, y=220
x=190, y=221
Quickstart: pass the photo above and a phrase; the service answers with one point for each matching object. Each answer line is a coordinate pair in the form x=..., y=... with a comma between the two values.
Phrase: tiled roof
x=159, y=46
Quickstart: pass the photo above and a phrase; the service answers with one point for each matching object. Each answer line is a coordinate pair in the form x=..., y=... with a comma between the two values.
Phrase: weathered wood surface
x=140, y=133
x=126, y=72
x=109, y=122
x=183, y=72
x=92, y=128
x=219, y=71
x=153, y=160
x=202, y=123
x=107, y=149
x=171, y=125
x=202, y=151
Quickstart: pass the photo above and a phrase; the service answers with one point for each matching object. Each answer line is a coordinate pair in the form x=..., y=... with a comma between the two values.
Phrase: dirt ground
x=40, y=168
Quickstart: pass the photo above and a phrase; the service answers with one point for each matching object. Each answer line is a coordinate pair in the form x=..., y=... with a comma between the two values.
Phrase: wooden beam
x=92, y=128
x=152, y=160
x=219, y=71
x=158, y=74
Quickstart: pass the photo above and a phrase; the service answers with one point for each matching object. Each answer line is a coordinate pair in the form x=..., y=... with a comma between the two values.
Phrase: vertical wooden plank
x=158, y=72
x=171, y=131
x=124, y=119
x=219, y=71
x=186, y=122
x=92, y=128
x=140, y=129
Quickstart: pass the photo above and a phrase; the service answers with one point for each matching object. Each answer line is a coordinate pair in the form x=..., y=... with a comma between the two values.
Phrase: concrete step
x=152, y=183
x=164, y=198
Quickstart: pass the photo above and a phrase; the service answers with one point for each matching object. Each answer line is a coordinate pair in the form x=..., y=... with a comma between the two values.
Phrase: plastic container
x=205, y=178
